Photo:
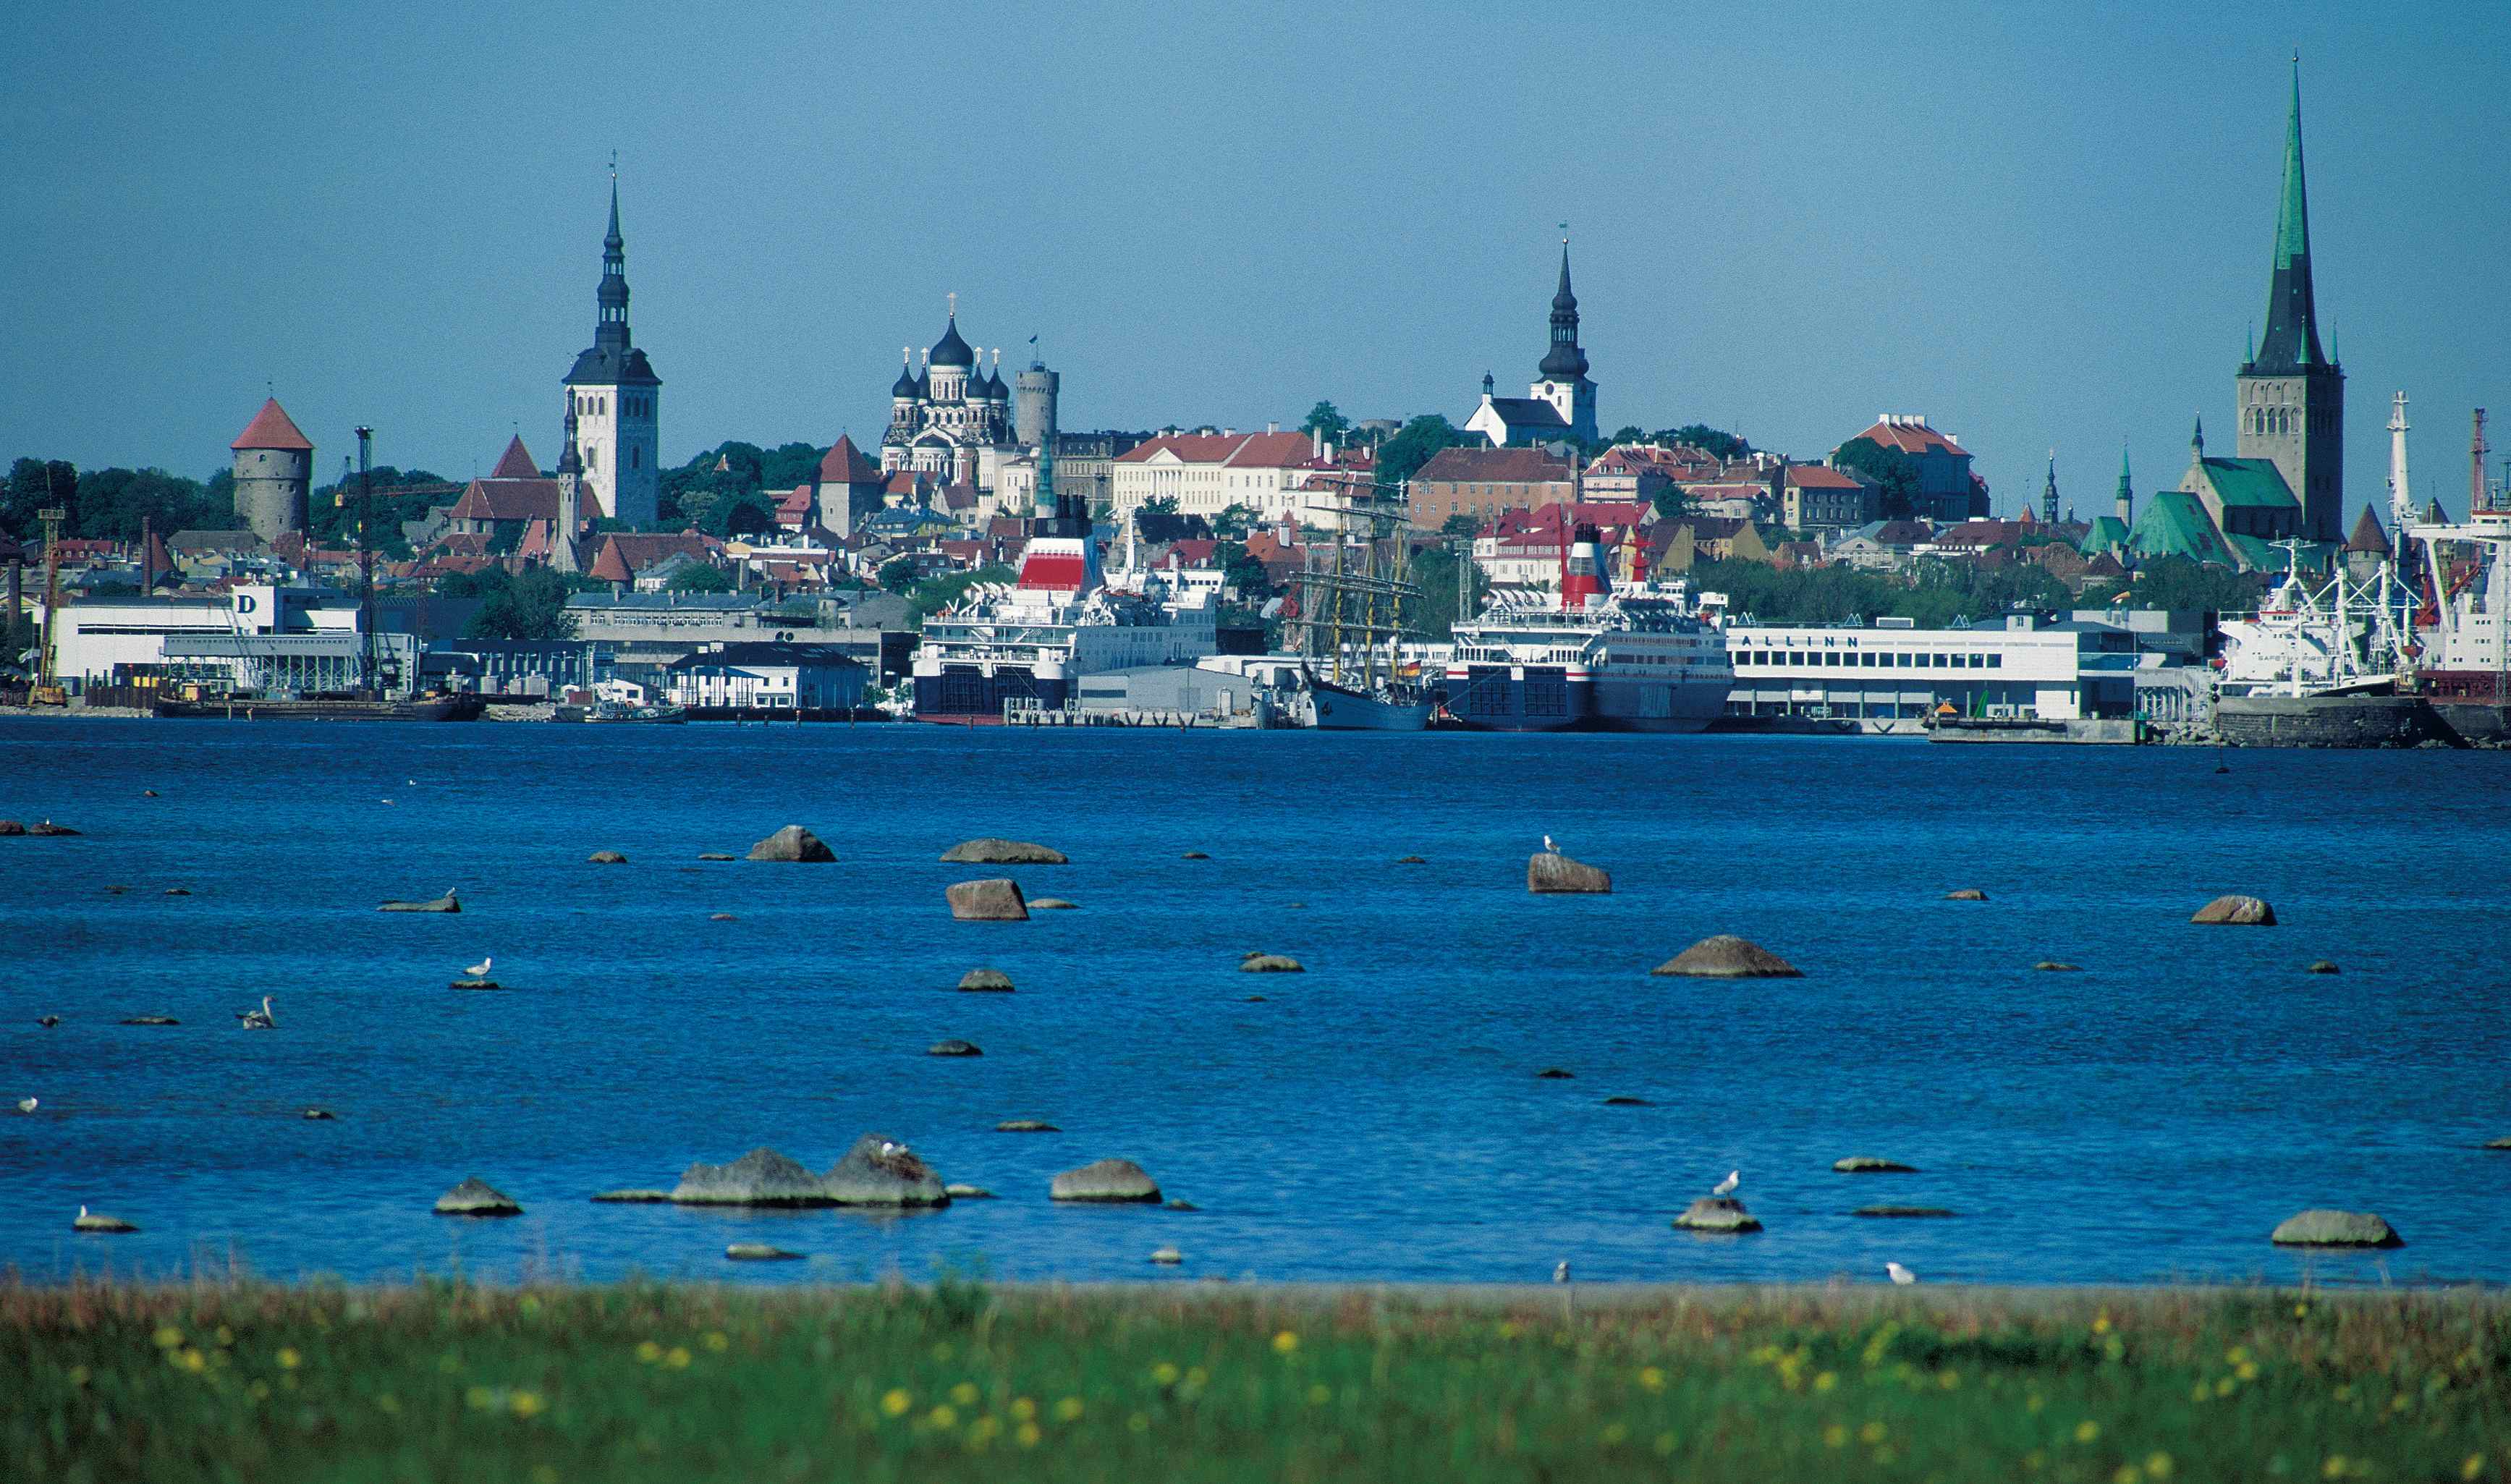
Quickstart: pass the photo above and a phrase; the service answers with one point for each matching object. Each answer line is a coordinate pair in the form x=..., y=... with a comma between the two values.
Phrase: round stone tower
x=274, y=468
x=1033, y=392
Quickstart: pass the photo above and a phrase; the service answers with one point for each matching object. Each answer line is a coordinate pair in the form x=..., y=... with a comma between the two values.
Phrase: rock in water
x=995, y=899
x=2057, y=966
x=2501, y=1143
x=1717, y=1214
x=866, y=1176
x=445, y=904
x=2335, y=1229
x=1966, y=893
x=633, y=1197
x=720, y=917
x=759, y=1252
x=1026, y=1125
x=1728, y=957
x=1410, y=861
x=1168, y=1257
x=96, y=1221
x=994, y=852
x=1270, y=963
x=760, y=1177
x=1902, y=1212
x=475, y=984
x=2236, y=912
x=1868, y=1165
x=1556, y=1074
x=1628, y=1102
x=150, y=1020
x=2322, y=966
x=792, y=842
x=967, y=1193
x=952, y=1048
x=605, y=858
x=986, y=980
x=1109, y=1181
x=12, y=827
x=1194, y=855
x=1548, y=871
x=1051, y=905
x=713, y=855
x=319, y=1115
x=48, y=827
x=476, y=1197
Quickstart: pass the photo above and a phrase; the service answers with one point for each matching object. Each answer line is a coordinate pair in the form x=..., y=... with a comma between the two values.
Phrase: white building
x=98, y=634
x=1889, y=678
x=763, y=677
x=616, y=400
x=1206, y=472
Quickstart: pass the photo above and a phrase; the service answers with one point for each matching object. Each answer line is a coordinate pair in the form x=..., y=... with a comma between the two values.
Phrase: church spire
x=1565, y=360
x=2291, y=339
x=2126, y=490
x=610, y=330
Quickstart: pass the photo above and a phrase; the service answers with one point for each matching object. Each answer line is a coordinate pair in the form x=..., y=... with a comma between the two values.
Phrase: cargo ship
x=442, y=707
x=1650, y=658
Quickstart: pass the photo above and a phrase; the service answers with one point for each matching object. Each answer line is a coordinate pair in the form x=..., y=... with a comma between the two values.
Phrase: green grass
x=955, y=1382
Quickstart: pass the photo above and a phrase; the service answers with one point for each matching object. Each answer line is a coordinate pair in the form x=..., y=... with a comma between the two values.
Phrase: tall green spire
x=2291, y=339
x=2124, y=488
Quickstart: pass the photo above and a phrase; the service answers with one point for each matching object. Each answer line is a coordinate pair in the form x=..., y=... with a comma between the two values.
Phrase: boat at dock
x=1646, y=658
x=453, y=706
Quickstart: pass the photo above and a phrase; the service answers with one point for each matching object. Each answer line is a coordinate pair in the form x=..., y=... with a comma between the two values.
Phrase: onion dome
x=952, y=351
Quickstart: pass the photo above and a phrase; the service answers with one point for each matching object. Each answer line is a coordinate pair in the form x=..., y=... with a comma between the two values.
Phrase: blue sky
x=2041, y=226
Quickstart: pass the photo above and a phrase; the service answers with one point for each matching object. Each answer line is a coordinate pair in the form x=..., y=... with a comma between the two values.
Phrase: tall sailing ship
x=1354, y=622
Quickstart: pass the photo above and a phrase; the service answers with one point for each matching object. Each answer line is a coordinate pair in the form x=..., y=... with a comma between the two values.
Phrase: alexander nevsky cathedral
x=958, y=421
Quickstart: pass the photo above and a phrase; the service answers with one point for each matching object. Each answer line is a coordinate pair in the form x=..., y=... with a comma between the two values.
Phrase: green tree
x=1254, y=584
x=1438, y=571
x=1326, y=421
x=1707, y=439
x=111, y=504
x=897, y=574
x=400, y=495
x=701, y=578
x=529, y=607
x=2176, y=582
x=1896, y=472
x=1461, y=523
x=33, y=484
x=1669, y=503
x=1628, y=433
x=933, y=595
x=1233, y=522
x=1402, y=456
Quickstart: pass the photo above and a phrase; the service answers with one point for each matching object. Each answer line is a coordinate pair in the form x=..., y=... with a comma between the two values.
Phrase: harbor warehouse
x=765, y=677
x=2021, y=666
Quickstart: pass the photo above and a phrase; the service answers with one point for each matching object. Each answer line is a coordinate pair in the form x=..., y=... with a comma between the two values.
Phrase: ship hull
x=424, y=708
x=2329, y=721
x=962, y=695
x=1338, y=709
x=1538, y=698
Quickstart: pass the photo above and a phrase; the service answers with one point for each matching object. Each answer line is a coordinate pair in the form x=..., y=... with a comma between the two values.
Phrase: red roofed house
x=510, y=496
x=1484, y=482
x=274, y=470
x=627, y=557
x=1817, y=496
x=1947, y=488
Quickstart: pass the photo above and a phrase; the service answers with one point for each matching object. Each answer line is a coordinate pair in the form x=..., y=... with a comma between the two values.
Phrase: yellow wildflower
x=1651, y=1378
x=2128, y=1473
x=167, y=1337
x=2087, y=1430
x=2101, y=1324
x=895, y=1401
x=1614, y=1433
x=676, y=1357
x=717, y=1341
x=1834, y=1437
x=1027, y=1434
x=1024, y=1409
x=648, y=1352
x=1873, y=1433
x=78, y=1375
x=191, y=1360
x=1285, y=1343
x=1164, y=1374
x=964, y=1393
x=2474, y=1465
x=2158, y=1463
x=2334, y=1468
x=289, y=1359
x=1068, y=1410
x=1824, y=1382
x=526, y=1403
x=944, y=1416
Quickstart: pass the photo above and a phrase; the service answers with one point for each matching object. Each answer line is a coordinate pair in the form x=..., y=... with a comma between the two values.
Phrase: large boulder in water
x=1728, y=957
x=1871, y=1164
x=996, y=899
x=2236, y=912
x=879, y=1170
x=48, y=827
x=986, y=982
x=994, y=852
x=12, y=827
x=1109, y=1181
x=1717, y=1214
x=476, y=1197
x=443, y=903
x=760, y=1177
x=2335, y=1229
x=792, y=842
x=1270, y=963
x=1552, y=871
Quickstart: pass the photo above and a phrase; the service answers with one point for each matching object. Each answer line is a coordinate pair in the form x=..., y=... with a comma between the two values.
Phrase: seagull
x=259, y=1019
x=890, y=1149
x=478, y=970
x=1560, y=1271
x=26, y=1105
x=412, y=783
x=1727, y=1187
x=1549, y=848
x=48, y=1021
x=1900, y=1275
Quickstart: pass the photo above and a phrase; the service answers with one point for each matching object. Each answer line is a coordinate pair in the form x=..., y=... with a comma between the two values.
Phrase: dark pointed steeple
x=569, y=460
x=2291, y=339
x=2126, y=491
x=1565, y=360
x=2049, y=491
x=613, y=359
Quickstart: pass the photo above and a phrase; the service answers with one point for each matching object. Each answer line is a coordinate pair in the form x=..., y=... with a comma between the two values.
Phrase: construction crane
x=48, y=684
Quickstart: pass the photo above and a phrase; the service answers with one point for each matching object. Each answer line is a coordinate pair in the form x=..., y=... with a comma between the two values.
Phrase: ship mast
x=365, y=567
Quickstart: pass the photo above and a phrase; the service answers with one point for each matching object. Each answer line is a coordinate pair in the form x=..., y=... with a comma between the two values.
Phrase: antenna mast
x=365, y=565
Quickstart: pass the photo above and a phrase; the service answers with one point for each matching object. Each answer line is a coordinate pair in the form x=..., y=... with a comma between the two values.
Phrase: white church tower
x=614, y=400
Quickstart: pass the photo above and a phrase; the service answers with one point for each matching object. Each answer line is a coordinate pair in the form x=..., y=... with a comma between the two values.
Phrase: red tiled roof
x=960, y=497
x=515, y=463
x=845, y=464
x=1237, y=450
x=499, y=498
x=1819, y=476
x=1495, y=465
x=1909, y=438
x=625, y=554
x=1194, y=550
x=271, y=428
x=904, y=482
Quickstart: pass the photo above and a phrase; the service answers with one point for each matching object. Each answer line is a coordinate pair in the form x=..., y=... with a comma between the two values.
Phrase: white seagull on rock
x=1549, y=848
x=1727, y=1187
x=26, y=1105
x=479, y=971
x=1900, y=1275
x=257, y=1019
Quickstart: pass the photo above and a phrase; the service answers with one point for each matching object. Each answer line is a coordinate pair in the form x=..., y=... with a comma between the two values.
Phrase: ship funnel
x=1583, y=583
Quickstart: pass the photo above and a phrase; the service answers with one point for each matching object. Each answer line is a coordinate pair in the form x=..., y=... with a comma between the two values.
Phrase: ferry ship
x=1648, y=659
x=1028, y=643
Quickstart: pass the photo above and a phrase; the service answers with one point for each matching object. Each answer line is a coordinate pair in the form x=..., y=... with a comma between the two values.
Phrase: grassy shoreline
x=680, y=1381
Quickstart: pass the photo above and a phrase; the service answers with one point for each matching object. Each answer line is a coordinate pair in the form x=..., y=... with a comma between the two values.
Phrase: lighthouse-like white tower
x=615, y=400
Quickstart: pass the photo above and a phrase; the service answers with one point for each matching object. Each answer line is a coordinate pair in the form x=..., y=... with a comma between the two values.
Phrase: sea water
x=1378, y=1117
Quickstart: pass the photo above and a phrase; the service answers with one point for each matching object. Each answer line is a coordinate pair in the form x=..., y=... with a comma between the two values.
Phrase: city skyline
x=2077, y=282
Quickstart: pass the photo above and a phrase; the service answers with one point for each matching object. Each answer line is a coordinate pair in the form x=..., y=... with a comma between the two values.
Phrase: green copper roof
x=2249, y=481
x=2107, y=533
x=2290, y=342
x=2175, y=524
x=2293, y=221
